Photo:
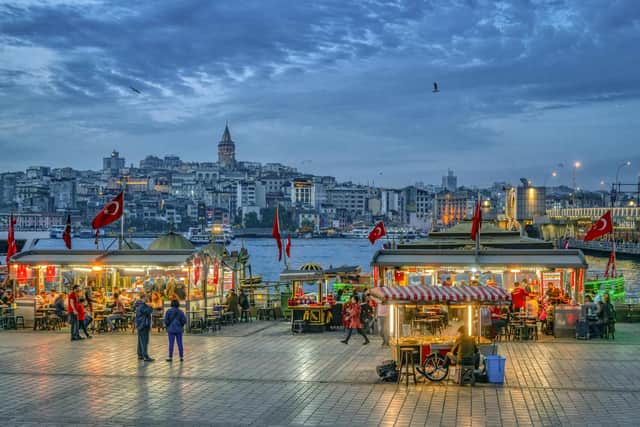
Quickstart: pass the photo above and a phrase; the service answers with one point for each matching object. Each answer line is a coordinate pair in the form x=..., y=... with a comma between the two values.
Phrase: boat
x=198, y=236
x=221, y=234
x=359, y=232
x=56, y=231
x=597, y=285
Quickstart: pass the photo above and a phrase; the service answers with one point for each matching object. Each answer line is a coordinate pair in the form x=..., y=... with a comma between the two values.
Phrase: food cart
x=417, y=315
x=307, y=309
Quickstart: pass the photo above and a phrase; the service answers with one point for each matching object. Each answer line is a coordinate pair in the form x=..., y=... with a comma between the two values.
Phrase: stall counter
x=316, y=318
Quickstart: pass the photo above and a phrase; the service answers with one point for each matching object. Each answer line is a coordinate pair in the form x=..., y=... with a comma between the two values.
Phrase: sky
x=340, y=88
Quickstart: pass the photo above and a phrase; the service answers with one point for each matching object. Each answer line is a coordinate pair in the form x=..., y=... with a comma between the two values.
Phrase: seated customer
x=117, y=312
x=58, y=304
x=464, y=348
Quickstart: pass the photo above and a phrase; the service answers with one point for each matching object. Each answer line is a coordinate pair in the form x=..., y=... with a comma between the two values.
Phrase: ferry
x=56, y=231
x=221, y=234
x=198, y=236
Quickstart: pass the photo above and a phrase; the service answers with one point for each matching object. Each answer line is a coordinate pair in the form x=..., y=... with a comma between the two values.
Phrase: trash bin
x=495, y=368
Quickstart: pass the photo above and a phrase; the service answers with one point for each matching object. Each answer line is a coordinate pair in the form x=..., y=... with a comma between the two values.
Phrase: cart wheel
x=434, y=368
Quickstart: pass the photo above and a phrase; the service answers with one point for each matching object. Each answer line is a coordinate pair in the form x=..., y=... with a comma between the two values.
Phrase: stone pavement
x=259, y=374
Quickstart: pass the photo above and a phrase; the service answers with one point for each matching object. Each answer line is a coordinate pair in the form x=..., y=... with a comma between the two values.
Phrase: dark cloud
x=347, y=83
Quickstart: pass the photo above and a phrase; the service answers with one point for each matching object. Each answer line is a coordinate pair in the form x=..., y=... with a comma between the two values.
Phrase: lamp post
x=617, y=182
x=553, y=174
x=576, y=165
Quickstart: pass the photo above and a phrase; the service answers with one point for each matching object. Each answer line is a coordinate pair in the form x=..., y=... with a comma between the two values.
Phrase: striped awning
x=442, y=294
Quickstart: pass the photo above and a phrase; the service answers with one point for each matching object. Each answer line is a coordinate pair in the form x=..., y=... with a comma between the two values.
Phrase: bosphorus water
x=332, y=253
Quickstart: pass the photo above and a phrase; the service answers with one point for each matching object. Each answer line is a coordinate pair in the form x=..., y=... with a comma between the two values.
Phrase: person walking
x=143, y=325
x=174, y=321
x=72, y=309
x=383, y=325
x=353, y=314
x=82, y=319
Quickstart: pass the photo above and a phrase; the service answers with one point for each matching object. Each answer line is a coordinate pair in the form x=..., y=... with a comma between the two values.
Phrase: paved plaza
x=259, y=374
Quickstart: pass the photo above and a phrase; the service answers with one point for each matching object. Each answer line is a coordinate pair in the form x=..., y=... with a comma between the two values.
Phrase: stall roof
x=343, y=269
x=551, y=258
x=56, y=257
x=85, y=257
x=311, y=275
x=160, y=257
x=441, y=294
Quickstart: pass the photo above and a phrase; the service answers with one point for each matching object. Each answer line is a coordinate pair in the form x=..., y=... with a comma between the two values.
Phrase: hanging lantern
x=50, y=274
x=197, y=269
x=22, y=274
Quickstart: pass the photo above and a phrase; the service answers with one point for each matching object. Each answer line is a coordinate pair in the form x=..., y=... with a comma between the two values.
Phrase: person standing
x=174, y=321
x=383, y=325
x=72, y=308
x=353, y=314
x=232, y=303
x=243, y=300
x=517, y=297
x=143, y=325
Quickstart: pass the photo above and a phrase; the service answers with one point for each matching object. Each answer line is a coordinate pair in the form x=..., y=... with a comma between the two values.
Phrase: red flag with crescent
x=287, y=248
x=110, y=213
x=600, y=228
x=275, y=233
x=66, y=235
x=377, y=232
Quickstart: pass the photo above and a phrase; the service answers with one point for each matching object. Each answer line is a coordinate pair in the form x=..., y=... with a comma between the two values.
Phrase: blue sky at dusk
x=332, y=87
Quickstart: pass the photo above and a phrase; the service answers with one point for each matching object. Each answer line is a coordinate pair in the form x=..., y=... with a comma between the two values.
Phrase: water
x=333, y=252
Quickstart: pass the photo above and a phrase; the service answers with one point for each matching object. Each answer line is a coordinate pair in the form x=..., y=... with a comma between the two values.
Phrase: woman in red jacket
x=353, y=316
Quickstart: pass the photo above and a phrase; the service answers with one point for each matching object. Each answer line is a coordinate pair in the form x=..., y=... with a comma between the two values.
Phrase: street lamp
x=617, y=182
x=576, y=165
x=554, y=174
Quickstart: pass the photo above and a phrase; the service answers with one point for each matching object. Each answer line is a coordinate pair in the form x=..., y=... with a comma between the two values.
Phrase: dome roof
x=311, y=266
x=130, y=245
x=169, y=242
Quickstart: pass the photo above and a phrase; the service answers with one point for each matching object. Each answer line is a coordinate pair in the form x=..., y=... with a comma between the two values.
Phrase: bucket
x=495, y=368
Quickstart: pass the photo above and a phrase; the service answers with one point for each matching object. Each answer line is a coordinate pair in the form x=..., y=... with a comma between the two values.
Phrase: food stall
x=306, y=308
x=417, y=315
x=171, y=272
x=500, y=268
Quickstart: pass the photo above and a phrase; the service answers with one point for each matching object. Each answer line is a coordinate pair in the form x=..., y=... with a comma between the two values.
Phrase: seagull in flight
x=135, y=90
x=435, y=87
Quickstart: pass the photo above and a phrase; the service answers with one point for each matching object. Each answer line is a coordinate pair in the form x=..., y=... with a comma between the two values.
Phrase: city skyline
x=329, y=88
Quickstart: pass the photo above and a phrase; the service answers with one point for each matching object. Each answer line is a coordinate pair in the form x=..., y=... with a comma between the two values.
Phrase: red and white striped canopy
x=442, y=294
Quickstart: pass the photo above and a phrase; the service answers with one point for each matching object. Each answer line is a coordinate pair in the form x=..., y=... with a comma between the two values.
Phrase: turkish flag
x=66, y=235
x=377, y=232
x=110, y=213
x=600, y=228
x=477, y=221
x=288, y=247
x=11, y=239
x=275, y=233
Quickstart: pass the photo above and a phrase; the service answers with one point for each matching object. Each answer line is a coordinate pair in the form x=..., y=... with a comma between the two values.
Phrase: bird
x=435, y=87
x=135, y=90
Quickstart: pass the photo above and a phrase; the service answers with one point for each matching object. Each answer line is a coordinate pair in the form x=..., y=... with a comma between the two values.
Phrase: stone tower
x=226, y=149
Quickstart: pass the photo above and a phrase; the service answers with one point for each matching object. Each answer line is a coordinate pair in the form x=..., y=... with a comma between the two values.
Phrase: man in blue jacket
x=143, y=325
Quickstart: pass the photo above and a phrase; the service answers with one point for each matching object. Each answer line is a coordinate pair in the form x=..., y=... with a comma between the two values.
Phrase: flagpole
x=124, y=187
x=478, y=231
